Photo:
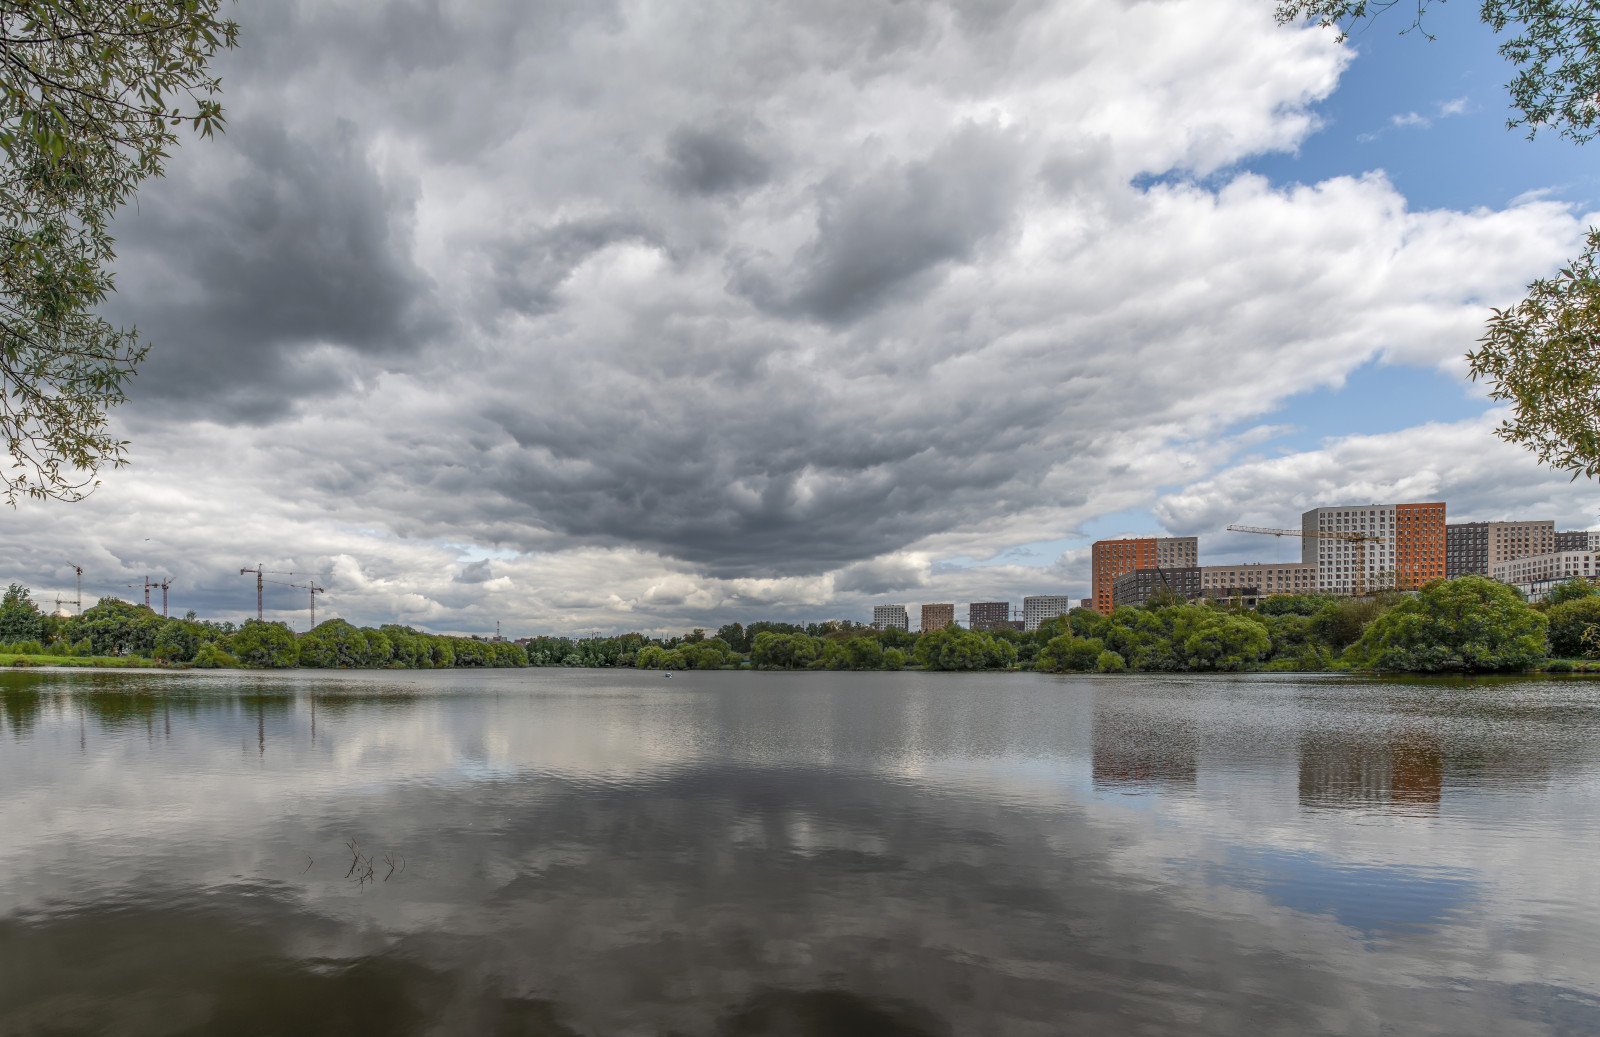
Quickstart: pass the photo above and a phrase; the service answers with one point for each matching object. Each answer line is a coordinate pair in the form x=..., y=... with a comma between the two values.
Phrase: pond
x=614, y=852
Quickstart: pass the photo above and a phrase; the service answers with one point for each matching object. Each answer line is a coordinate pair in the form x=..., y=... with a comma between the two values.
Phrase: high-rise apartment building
x=1477, y=547
x=1040, y=607
x=1406, y=549
x=1112, y=558
x=988, y=615
x=890, y=617
x=937, y=617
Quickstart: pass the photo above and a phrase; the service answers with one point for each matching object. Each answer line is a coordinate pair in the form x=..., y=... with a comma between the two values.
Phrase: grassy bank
x=24, y=661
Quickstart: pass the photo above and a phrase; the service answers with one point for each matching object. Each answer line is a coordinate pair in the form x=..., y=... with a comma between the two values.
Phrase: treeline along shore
x=1470, y=624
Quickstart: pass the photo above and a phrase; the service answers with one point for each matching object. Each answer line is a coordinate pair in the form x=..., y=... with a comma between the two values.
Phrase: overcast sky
x=631, y=315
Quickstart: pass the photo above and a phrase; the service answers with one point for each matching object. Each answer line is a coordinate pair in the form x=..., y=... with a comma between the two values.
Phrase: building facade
x=1141, y=585
x=1536, y=575
x=1404, y=546
x=988, y=615
x=937, y=617
x=890, y=617
x=1112, y=558
x=1040, y=607
x=1476, y=547
x=1575, y=540
x=1258, y=578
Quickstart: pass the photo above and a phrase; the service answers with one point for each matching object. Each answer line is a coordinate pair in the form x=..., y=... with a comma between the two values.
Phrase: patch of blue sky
x=1375, y=398
x=1373, y=899
x=1432, y=116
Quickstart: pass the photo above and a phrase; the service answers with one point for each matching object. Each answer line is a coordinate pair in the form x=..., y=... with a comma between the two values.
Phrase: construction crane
x=148, y=583
x=78, y=601
x=309, y=585
x=261, y=572
x=1358, y=585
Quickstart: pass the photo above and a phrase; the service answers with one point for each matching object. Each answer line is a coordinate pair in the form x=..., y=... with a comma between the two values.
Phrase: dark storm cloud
x=889, y=233
x=238, y=278
x=476, y=572
x=712, y=161
x=792, y=495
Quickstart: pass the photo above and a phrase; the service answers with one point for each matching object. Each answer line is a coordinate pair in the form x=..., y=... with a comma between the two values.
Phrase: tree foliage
x=19, y=617
x=1570, y=624
x=1571, y=590
x=92, y=93
x=1543, y=357
x=1471, y=624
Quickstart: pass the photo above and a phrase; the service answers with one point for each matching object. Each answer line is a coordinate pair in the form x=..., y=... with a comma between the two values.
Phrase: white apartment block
x=1536, y=575
x=890, y=617
x=1040, y=607
x=1266, y=577
x=1337, y=561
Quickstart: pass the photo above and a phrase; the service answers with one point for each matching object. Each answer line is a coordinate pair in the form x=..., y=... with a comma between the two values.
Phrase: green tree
x=772, y=651
x=856, y=653
x=177, y=641
x=19, y=617
x=733, y=635
x=91, y=95
x=1066, y=653
x=265, y=645
x=1571, y=590
x=1542, y=356
x=1570, y=621
x=953, y=648
x=1467, y=624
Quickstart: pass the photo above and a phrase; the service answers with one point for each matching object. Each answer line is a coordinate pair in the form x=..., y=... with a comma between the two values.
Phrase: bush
x=212, y=657
x=1110, y=662
x=893, y=659
x=774, y=651
x=1470, y=624
x=1559, y=666
x=1066, y=653
x=265, y=645
x=955, y=649
x=1569, y=621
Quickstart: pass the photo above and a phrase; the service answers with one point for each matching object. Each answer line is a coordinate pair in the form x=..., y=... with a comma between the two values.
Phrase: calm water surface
x=615, y=853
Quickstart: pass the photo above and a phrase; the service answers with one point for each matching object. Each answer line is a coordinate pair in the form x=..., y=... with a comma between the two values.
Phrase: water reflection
x=1405, y=769
x=1136, y=749
x=595, y=854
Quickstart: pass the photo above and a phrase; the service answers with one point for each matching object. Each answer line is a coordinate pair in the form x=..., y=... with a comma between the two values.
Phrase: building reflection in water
x=1139, y=750
x=1390, y=770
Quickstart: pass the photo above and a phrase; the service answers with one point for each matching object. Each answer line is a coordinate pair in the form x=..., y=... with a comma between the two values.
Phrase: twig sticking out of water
x=309, y=863
x=360, y=867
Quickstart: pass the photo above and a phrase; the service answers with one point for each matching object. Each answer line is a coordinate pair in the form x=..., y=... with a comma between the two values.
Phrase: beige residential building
x=937, y=617
x=1266, y=577
x=1534, y=576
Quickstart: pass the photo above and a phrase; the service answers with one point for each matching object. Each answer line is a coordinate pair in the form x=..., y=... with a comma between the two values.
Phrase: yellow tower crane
x=1358, y=585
